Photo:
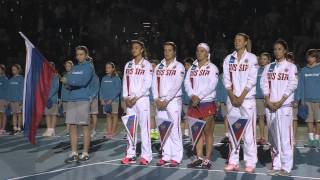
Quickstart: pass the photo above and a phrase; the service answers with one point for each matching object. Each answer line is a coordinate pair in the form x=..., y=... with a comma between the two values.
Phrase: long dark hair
x=284, y=44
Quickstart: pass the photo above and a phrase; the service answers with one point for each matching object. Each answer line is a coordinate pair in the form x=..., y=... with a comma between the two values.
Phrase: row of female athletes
x=266, y=90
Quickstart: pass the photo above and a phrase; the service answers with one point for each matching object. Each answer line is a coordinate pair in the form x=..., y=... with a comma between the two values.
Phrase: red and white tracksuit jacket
x=166, y=85
x=280, y=79
x=240, y=74
x=137, y=80
x=202, y=81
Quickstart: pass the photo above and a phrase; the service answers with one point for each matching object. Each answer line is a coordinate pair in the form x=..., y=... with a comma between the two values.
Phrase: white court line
x=149, y=166
x=211, y=170
x=63, y=169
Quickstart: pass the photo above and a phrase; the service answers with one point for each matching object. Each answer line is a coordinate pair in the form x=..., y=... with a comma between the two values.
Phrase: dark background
x=107, y=26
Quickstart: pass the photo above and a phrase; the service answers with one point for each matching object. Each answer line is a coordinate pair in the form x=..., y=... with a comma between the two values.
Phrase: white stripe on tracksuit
x=166, y=85
x=278, y=82
x=137, y=81
x=240, y=75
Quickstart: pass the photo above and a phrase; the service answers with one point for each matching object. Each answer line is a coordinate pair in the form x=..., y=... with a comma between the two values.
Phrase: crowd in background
x=107, y=26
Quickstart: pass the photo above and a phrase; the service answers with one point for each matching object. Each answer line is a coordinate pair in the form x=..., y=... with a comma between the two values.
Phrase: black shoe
x=13, y=132
x=18, y=133
x=206, y=164
x=84, y=157
x=196, y=163
x=185, y=137
x=225, y=140
x=71, y=159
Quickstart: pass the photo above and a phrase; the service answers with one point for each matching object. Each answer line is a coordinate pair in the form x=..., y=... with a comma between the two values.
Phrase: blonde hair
x=246, y=38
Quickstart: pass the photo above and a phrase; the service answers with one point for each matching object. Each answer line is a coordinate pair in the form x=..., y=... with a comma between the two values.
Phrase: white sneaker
x=46, y=133
x=51, y=133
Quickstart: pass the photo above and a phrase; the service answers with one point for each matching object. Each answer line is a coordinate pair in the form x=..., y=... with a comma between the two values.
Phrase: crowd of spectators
x=107, y=26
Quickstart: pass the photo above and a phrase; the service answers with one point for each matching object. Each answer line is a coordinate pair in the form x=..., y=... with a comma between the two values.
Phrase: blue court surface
x=20, y=160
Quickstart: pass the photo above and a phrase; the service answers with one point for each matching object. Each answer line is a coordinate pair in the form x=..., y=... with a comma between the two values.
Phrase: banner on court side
x=130, y=123
x=164, y=127
x=237, y=127
x=195, y=127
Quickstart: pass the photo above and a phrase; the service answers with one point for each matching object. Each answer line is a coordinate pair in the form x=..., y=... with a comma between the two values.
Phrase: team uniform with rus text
x=240, y=74
x=167, y=81
x=280, y=79
x=202, y=82
x=137, y=80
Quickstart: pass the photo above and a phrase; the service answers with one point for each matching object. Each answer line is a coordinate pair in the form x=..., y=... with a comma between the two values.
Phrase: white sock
x=15, y=128
x=311, y=137
x=74, y=153
x=85, y=153
x=19, y=129
x=317, y=137
x=186, y=132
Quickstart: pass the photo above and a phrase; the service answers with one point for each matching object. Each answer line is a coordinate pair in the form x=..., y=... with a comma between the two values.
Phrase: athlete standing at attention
x=166, y=87
x=200, y=83
x=278, y=82
x=137, y=80
x=240, y=71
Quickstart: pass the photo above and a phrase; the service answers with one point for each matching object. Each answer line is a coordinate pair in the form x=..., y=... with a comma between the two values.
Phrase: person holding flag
x=51, y=110
x=15, y=97
x=240, y=71
x=78, y=104
x=137, y=80
x=278, y=83
x=166, y=87
x=3, y=98
x=200, y=84
x=109, y=94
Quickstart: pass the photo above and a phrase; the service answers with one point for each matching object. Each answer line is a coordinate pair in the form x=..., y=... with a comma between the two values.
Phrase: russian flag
x=38, y=76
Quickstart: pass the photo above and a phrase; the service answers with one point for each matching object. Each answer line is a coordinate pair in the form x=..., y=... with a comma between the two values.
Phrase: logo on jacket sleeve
x=161, y=66
x=272, y=66
x=232, y=59
x=130, y=65
x=193, y=67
